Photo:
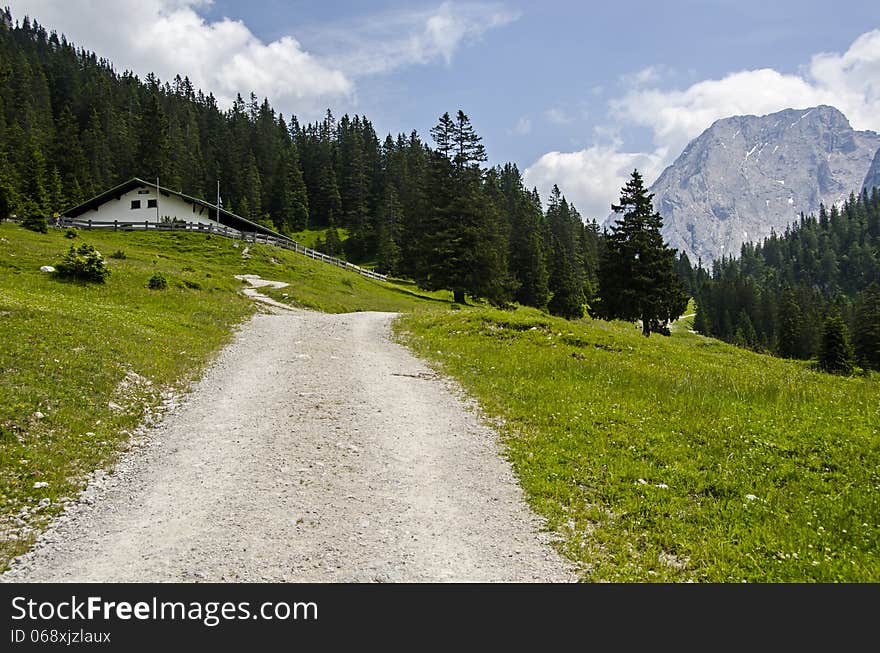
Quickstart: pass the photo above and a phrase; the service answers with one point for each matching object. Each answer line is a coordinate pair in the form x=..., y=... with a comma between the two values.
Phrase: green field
x=660, y=459
x=95, y=359
x=673, y=459
x=310, y=237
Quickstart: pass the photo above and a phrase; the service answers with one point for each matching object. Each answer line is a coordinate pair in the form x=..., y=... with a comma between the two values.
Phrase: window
x=143, y=192
x=151, y=204
x=135, y=204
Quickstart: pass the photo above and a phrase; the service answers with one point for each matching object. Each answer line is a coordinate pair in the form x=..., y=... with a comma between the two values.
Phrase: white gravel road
x=314, y=449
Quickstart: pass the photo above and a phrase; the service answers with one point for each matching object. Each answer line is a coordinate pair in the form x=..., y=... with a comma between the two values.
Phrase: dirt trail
x=314, y=449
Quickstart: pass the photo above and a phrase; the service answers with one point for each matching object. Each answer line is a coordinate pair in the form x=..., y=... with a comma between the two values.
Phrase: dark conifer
x=835, y=353
x=866, y=332
x=637, y=280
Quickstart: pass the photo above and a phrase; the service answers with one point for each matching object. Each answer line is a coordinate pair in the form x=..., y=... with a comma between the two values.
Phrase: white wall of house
x=170, y=207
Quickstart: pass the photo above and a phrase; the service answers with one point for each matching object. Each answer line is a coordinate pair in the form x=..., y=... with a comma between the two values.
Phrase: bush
x=34, y=221
x=70, y=233
x=119, y=254
x=157, y=282
x=83, y=263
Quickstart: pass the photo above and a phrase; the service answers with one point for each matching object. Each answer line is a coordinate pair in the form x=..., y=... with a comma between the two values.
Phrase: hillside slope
x=872, y=179
x=82, y=365
x=674, y=459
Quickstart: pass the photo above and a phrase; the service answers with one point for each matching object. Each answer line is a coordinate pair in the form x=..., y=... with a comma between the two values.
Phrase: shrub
x=157, y=282
x=83, y=263
x=70, y=233
x=119, y=254
x=34, y=220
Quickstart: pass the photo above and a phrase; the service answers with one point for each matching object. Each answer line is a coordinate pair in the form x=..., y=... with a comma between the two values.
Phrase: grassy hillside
x=310, y=237
x=674, y=459
x=93, y=360
x=662, y=459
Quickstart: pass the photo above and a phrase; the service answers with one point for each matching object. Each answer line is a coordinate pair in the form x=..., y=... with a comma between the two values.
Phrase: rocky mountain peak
x=872, y=179
x=747, y=175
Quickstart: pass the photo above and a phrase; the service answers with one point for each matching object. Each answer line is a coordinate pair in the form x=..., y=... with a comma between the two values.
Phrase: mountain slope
x=746, y=175
x=872, y=179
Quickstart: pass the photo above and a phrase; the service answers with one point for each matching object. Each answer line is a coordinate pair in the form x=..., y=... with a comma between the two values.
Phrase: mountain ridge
x=746, y=176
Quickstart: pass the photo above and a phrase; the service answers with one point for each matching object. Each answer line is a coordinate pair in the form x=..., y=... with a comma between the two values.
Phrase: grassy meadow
x=673, y=459
x=660, y=459
x=81, y=365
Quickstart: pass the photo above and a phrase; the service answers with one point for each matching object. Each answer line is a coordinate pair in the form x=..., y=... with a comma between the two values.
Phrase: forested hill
x=71, y=126
x=779, y=294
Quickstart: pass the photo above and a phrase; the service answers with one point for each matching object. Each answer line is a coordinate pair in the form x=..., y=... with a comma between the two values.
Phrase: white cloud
x=393, y=40
x=169, y=37
x=849, y=81
x=592, y=177
x=557, y=116
x=648, y=75
x=523, y=126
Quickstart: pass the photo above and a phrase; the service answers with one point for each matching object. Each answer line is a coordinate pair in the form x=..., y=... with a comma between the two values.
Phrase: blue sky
x=575, y=93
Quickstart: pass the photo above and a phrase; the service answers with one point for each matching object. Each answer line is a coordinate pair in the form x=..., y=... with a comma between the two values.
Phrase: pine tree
x=866, y=333
x=332, y=243
x=566, y=280
x=835, y=353
x=153, y=140
x=637, y=279
x=745, y=335
x=527, y=258
x=6, y=197
x=789, y=343
x=462, y=246
x=387, y=250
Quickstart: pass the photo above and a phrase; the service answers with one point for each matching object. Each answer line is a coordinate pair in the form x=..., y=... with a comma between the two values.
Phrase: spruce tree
x=866, y=332
x=461, y=246
x=835, y=353
x=637, y=279
x=790, y=337
x=566, y=282
x=6, y=200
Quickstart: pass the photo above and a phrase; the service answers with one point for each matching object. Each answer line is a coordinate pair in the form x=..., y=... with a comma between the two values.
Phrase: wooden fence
x=228, y=232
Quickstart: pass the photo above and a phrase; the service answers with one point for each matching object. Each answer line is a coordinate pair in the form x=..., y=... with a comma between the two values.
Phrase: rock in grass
x=40, y=484
x=47, y=268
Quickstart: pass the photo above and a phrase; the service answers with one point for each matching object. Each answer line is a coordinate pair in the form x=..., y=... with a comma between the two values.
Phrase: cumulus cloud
x=848, y=81
x=396, y=39
x=590, y=178
x=169, y=37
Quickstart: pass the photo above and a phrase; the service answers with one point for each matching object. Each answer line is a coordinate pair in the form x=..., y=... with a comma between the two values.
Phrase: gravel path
x=314, y=449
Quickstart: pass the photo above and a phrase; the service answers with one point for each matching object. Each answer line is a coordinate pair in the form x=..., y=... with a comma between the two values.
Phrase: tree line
x=797, y=294
x=71, y=127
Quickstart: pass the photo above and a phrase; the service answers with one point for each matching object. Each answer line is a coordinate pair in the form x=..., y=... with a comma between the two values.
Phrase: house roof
x=226, y=218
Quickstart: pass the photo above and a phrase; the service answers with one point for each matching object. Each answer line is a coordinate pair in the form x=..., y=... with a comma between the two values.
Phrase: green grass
x=673, y=459
x=68, y=350
x=309, y=237
x=685, y=323
x=330, y=289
